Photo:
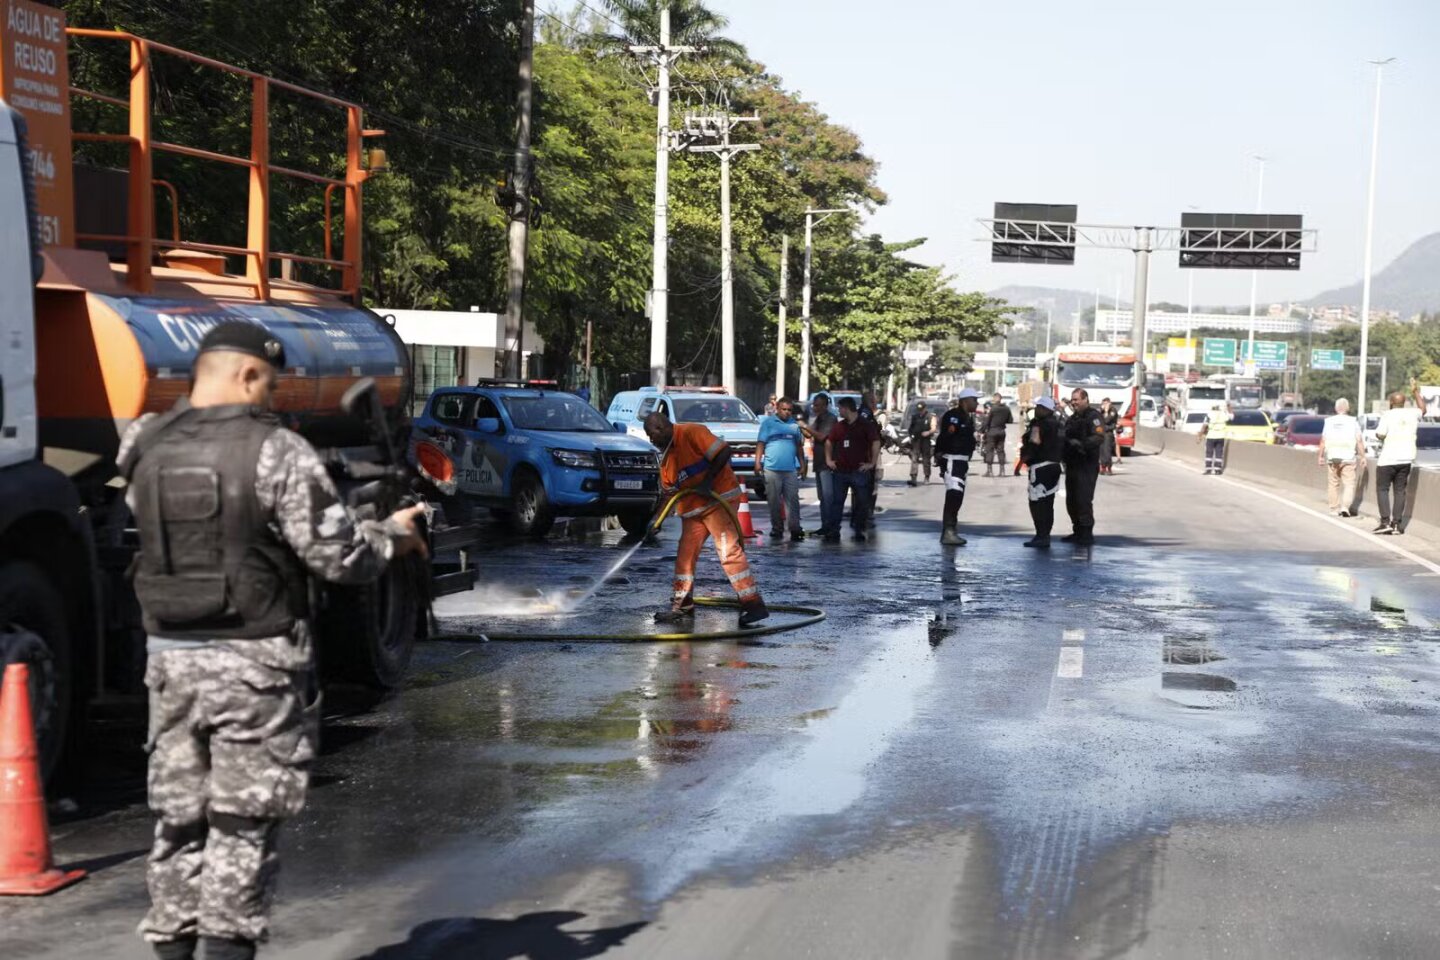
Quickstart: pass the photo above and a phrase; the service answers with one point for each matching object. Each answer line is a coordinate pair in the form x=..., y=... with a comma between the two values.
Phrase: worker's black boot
x=949, y=538
x=1038, y=542
x=752, y=614
x=682, y=615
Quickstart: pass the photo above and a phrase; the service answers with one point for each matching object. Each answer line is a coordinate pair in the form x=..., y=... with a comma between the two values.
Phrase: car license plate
x=629, y=484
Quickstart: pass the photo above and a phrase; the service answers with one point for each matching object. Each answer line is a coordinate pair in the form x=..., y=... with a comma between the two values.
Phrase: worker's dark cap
x=251, y=339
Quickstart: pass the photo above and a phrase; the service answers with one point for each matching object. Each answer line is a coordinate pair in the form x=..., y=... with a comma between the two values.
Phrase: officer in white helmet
x=954, y=446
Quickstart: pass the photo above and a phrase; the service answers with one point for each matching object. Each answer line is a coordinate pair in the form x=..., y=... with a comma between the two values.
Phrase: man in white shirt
x=1398, y=429
x=1342, y=448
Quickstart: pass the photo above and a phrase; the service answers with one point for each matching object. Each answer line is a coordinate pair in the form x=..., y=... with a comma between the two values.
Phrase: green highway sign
x=1269, y=354
x=1218, y=352
x=1327, y=359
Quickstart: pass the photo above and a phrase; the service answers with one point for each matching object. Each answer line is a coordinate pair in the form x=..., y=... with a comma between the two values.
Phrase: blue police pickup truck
x=531, y=453
x=724, y=414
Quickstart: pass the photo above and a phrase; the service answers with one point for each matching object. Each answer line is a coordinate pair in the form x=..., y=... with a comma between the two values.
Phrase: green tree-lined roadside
x=438, y=76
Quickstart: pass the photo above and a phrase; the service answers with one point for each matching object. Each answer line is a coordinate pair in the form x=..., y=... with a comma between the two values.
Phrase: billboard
x=1033, y=233
x=1241, y=241
x=35, y=79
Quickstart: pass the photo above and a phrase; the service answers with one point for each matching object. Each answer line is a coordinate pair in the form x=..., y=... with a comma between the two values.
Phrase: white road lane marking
x=1365, y=535
x=1073, y=636
x=1072, y=662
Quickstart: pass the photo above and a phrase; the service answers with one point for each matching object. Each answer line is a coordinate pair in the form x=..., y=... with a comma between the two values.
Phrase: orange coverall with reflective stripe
x=686, y=459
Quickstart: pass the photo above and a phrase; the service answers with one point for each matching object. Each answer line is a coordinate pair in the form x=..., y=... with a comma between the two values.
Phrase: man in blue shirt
x=778, y=453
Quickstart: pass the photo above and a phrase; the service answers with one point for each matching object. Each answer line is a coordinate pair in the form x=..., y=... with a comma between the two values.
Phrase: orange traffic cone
x=747, y=526
x=26, y=867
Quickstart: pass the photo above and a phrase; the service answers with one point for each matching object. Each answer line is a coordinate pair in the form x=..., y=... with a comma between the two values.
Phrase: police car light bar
x=500, y=382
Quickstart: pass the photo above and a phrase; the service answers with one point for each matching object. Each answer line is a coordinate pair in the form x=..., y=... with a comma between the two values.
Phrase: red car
x=1304, y=431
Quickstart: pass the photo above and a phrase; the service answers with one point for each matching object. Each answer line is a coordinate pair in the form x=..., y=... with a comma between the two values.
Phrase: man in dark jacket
x=954, y=446
x=1110, y=418
x=921, y=430
x=1084, y=435
x=996, y=422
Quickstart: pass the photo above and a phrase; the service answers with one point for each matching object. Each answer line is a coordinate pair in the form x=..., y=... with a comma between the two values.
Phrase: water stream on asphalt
x=615, y=568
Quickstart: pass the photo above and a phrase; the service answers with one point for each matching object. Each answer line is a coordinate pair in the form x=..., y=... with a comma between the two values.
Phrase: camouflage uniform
x=234, y=723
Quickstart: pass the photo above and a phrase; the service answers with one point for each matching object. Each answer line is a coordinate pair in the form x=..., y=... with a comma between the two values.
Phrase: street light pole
x=1250, y=366
x=780, y=333
x=810, y=222
x=1190, y=324
x=1369, y=242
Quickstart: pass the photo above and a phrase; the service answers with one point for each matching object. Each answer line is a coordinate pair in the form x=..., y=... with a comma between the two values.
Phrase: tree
x=871, y=300
x=692, y=23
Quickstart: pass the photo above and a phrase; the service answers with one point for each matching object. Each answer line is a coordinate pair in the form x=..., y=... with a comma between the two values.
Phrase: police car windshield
x=1249, y=418
x=555, y=412
x=1097, y=374
x=713, y=410
x=1195, y=418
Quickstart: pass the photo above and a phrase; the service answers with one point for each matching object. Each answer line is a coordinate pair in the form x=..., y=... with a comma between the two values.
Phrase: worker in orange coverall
x=691, y=457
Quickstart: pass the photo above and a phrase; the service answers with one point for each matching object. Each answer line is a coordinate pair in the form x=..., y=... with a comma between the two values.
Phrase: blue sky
x=1132, y=110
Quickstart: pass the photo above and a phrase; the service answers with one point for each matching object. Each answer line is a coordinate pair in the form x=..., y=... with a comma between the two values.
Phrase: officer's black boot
x=218, y=948
x=176, y=949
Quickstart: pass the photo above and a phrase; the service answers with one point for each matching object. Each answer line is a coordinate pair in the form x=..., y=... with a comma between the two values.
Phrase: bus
x=1103, y=371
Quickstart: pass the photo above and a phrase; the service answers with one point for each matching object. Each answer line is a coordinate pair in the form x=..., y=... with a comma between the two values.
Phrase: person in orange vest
x=691, y=457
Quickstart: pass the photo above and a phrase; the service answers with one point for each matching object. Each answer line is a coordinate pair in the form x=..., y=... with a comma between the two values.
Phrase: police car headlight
x=574, y=458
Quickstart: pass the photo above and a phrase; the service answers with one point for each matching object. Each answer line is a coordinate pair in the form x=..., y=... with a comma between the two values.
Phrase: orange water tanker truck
x=101, y=320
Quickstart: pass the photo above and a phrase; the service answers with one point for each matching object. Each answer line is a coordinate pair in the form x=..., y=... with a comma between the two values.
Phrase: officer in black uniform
x=1042, y=448
x=1084, y=434
x=954, y=446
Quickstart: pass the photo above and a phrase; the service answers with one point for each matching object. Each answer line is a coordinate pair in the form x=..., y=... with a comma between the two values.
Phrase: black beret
x=252, y=339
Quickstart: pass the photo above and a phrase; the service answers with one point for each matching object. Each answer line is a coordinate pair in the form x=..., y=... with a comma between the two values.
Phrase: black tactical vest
x=1050, y=449
x=210, y=566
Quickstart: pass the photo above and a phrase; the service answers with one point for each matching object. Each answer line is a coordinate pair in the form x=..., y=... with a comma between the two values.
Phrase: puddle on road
x=823, y=773
x=1207, y=682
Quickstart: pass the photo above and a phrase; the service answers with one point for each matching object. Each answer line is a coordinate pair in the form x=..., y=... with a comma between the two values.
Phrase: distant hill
x=1410, y=284
x=1063, y=302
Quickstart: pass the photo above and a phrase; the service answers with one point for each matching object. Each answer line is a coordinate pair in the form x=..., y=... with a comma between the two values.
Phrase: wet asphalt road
x=1213, y=734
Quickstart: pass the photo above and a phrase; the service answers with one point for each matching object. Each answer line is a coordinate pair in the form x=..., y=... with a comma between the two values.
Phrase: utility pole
x=663, y=56
x=810, y=222
x=780, y=333
x=520, y=204
x=1369, y=242
x=719, y=127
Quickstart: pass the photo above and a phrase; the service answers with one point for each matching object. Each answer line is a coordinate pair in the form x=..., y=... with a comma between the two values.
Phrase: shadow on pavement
x=536, y=936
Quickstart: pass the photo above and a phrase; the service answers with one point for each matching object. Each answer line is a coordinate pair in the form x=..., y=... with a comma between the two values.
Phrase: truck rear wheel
x=367, y=633
x=34, y=631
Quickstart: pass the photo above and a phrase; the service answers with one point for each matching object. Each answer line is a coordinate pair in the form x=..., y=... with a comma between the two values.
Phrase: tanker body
x=100, y=330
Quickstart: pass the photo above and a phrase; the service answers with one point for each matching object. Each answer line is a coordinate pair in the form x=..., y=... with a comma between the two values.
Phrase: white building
x=450, y=347
x=1118, y=321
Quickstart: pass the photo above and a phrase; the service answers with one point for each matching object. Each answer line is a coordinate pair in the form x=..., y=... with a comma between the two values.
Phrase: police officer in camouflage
x=234, y=514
